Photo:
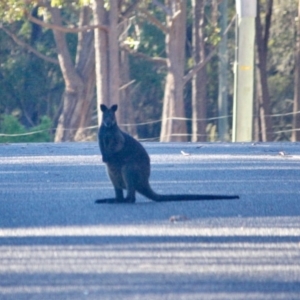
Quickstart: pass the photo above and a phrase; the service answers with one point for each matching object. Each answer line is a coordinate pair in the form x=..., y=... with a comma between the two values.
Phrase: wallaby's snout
x=108, y=122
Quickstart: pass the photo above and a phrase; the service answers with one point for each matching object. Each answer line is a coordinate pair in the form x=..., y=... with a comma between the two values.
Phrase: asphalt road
x=55, y=243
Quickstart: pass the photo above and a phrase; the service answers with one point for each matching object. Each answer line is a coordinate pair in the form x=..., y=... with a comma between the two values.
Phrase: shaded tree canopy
x=47, y=68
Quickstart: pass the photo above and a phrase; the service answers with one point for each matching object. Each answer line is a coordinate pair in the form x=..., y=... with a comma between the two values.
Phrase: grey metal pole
x=244, y=72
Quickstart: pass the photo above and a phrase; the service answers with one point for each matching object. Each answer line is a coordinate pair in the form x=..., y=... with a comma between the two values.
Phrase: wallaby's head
x=109, y=116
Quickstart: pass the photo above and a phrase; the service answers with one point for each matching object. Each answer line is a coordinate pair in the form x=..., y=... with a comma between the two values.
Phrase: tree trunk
x=126, y=110
x=296, y=108
x=173, y=118
x=85, y=66
x=199, y=80
x=107, y=55
x=101, y=56
x=262, y=37
x=79, y=81
x=113, y=57
x=223, y=126
x=257, y=123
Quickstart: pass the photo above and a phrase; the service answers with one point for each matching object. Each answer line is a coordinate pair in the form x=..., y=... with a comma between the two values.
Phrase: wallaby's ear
x=103, y=107
x=114, y=107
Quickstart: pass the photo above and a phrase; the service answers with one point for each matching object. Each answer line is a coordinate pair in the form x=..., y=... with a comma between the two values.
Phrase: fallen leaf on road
x=185, y=153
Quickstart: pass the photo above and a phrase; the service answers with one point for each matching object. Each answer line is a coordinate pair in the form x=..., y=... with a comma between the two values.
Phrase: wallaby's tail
x=149, y=193
x=166, y=198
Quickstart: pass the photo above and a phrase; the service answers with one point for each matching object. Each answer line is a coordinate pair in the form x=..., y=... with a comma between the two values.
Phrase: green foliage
x=14, y=10
x=33, y=87
x=150, y=80
x=28, y=84
x=281, y=90
x=213, y=34
x=282, y=37
x=12, y=131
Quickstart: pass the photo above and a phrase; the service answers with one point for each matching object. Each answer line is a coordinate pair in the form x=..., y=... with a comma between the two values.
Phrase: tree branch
x=72, y=80
x=153, y=20
x=203, y=63
x=162, y=7
x=268, y=19
x=157, y=60
x=28, y=47
x=126, y=85
x=130, y=9
x=65, y=29
x=199, y=66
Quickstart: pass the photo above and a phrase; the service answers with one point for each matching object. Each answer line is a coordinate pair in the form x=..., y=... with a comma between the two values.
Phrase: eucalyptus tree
x=77, y=65
x=296, y=106
x=174, y=27
x=263, y=96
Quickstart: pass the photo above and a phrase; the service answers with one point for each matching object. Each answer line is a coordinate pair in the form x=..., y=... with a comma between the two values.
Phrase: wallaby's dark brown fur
x=128, y=165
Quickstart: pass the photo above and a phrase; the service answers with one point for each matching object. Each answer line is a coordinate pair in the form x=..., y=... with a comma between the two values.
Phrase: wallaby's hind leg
x=119, y=194
x=116, y=178
x=118, y=199
x=130, y=178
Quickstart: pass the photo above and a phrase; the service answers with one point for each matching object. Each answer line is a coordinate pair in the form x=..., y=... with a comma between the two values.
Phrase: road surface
x=55, y=243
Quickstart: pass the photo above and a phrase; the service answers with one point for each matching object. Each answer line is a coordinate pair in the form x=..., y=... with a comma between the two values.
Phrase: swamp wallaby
x=128, y=165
